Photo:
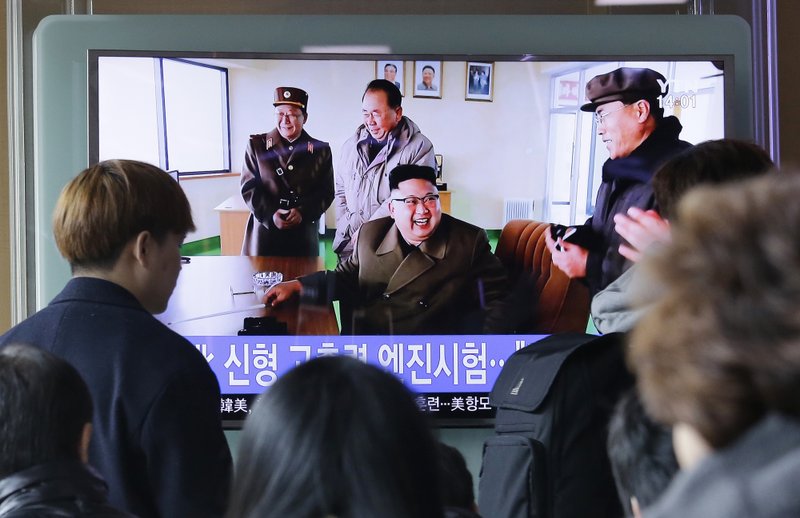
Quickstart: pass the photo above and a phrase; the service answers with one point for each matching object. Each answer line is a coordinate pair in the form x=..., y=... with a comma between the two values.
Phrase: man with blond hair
x=157, y=436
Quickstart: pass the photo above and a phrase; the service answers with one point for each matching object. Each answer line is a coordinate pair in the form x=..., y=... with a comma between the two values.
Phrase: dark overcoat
x=626, y=183
x=157, y=436
x=451, y=284
x=306, y=168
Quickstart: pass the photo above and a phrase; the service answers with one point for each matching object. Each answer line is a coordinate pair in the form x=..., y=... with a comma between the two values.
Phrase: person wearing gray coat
x=385, y=140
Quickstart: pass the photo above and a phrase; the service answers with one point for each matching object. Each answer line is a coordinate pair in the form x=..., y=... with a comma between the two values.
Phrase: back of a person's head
x=721, y=347
x=109, y=203
x=44, y=406
x=335, y=436
x=711, y=162
x=641, y=453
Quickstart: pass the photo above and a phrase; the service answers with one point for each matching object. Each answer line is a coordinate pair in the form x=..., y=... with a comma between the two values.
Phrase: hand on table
x=282, y=292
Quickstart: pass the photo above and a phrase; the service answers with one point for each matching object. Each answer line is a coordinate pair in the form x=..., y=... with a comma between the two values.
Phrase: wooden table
x=205, y=286
x=233, y=214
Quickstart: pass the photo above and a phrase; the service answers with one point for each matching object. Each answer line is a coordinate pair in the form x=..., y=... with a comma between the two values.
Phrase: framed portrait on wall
x=392, y=70
x=480, y=81
x=428, y=79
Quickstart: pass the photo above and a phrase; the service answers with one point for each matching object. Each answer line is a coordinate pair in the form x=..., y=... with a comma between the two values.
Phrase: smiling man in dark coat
x=157, y=438
x=639, y=139
x=416, y=272
x=287, y=182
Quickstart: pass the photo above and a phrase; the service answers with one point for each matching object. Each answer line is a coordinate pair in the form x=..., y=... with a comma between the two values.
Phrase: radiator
x=517, y=208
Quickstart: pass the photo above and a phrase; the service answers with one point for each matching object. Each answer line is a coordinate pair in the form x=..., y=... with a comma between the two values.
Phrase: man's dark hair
x=44, y=405
x=641, y=453
x=393, y=96
x=405, y=172
x=709, y=163
x=456, y=480
x=390, y=65
x=428, y=66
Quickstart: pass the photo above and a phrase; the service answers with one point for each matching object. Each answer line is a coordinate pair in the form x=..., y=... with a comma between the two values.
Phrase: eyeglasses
x=428, y=200
x=288, y=116
x=600, y=118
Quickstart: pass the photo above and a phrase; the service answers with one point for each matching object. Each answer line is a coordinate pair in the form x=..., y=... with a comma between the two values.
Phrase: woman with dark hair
x=336, y=437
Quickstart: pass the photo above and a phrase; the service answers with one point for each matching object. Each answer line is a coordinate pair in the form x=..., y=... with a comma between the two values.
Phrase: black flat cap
x=624, y=84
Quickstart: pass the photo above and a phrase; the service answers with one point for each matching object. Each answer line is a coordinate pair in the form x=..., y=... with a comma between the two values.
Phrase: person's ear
x=690, y=447
x=642, y=108
x=83, y=446
x=305, y=117
x=391, y=208
x=637, y=511
x=142, y=245
x=399, y=113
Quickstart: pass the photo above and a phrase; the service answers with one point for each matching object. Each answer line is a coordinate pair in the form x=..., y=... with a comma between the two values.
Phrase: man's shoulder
x=410, y=134
x=316, y=143
x=259, y=137
x=376, y=226
x=110, y=318
x=454, y=224
x=357, y=136
x=265, y=140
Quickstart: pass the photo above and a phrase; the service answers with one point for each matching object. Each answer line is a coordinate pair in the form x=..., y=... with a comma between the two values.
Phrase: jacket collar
x=65, y=477
x=99, y=291
x=643, y=161
x=418, y=261
x=399, y=136
x=434, y=247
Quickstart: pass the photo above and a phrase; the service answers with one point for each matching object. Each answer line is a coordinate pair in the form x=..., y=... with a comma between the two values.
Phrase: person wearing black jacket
x=287, y=182
x=157, y=438
x=639, y=139
x=46, y=416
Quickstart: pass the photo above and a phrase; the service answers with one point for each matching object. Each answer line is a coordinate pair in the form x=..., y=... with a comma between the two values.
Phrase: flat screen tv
x=504, y=120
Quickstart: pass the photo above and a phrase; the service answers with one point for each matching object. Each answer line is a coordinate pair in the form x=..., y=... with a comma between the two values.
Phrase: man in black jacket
x=157, y=438
x=46, y=416
x=628, y=106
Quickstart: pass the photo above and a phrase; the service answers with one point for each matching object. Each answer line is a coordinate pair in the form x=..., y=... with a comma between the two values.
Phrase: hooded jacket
x=362, y=187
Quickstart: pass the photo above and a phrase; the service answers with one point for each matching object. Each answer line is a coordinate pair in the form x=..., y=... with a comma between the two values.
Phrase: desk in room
x=205, y=286
x=444, y=199
x=233, y=214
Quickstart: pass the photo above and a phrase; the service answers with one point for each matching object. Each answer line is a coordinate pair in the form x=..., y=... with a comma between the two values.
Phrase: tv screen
x=510, y=143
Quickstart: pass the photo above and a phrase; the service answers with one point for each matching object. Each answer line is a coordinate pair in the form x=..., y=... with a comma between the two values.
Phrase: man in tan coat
x=416, y=272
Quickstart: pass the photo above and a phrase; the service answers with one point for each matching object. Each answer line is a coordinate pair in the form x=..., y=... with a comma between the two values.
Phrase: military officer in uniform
x=287, y=182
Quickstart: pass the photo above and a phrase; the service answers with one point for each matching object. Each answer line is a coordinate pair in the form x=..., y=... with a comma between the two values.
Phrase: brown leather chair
x=561, y=304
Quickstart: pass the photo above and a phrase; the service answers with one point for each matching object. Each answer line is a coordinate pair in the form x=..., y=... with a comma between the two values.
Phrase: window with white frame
x=169, y=112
